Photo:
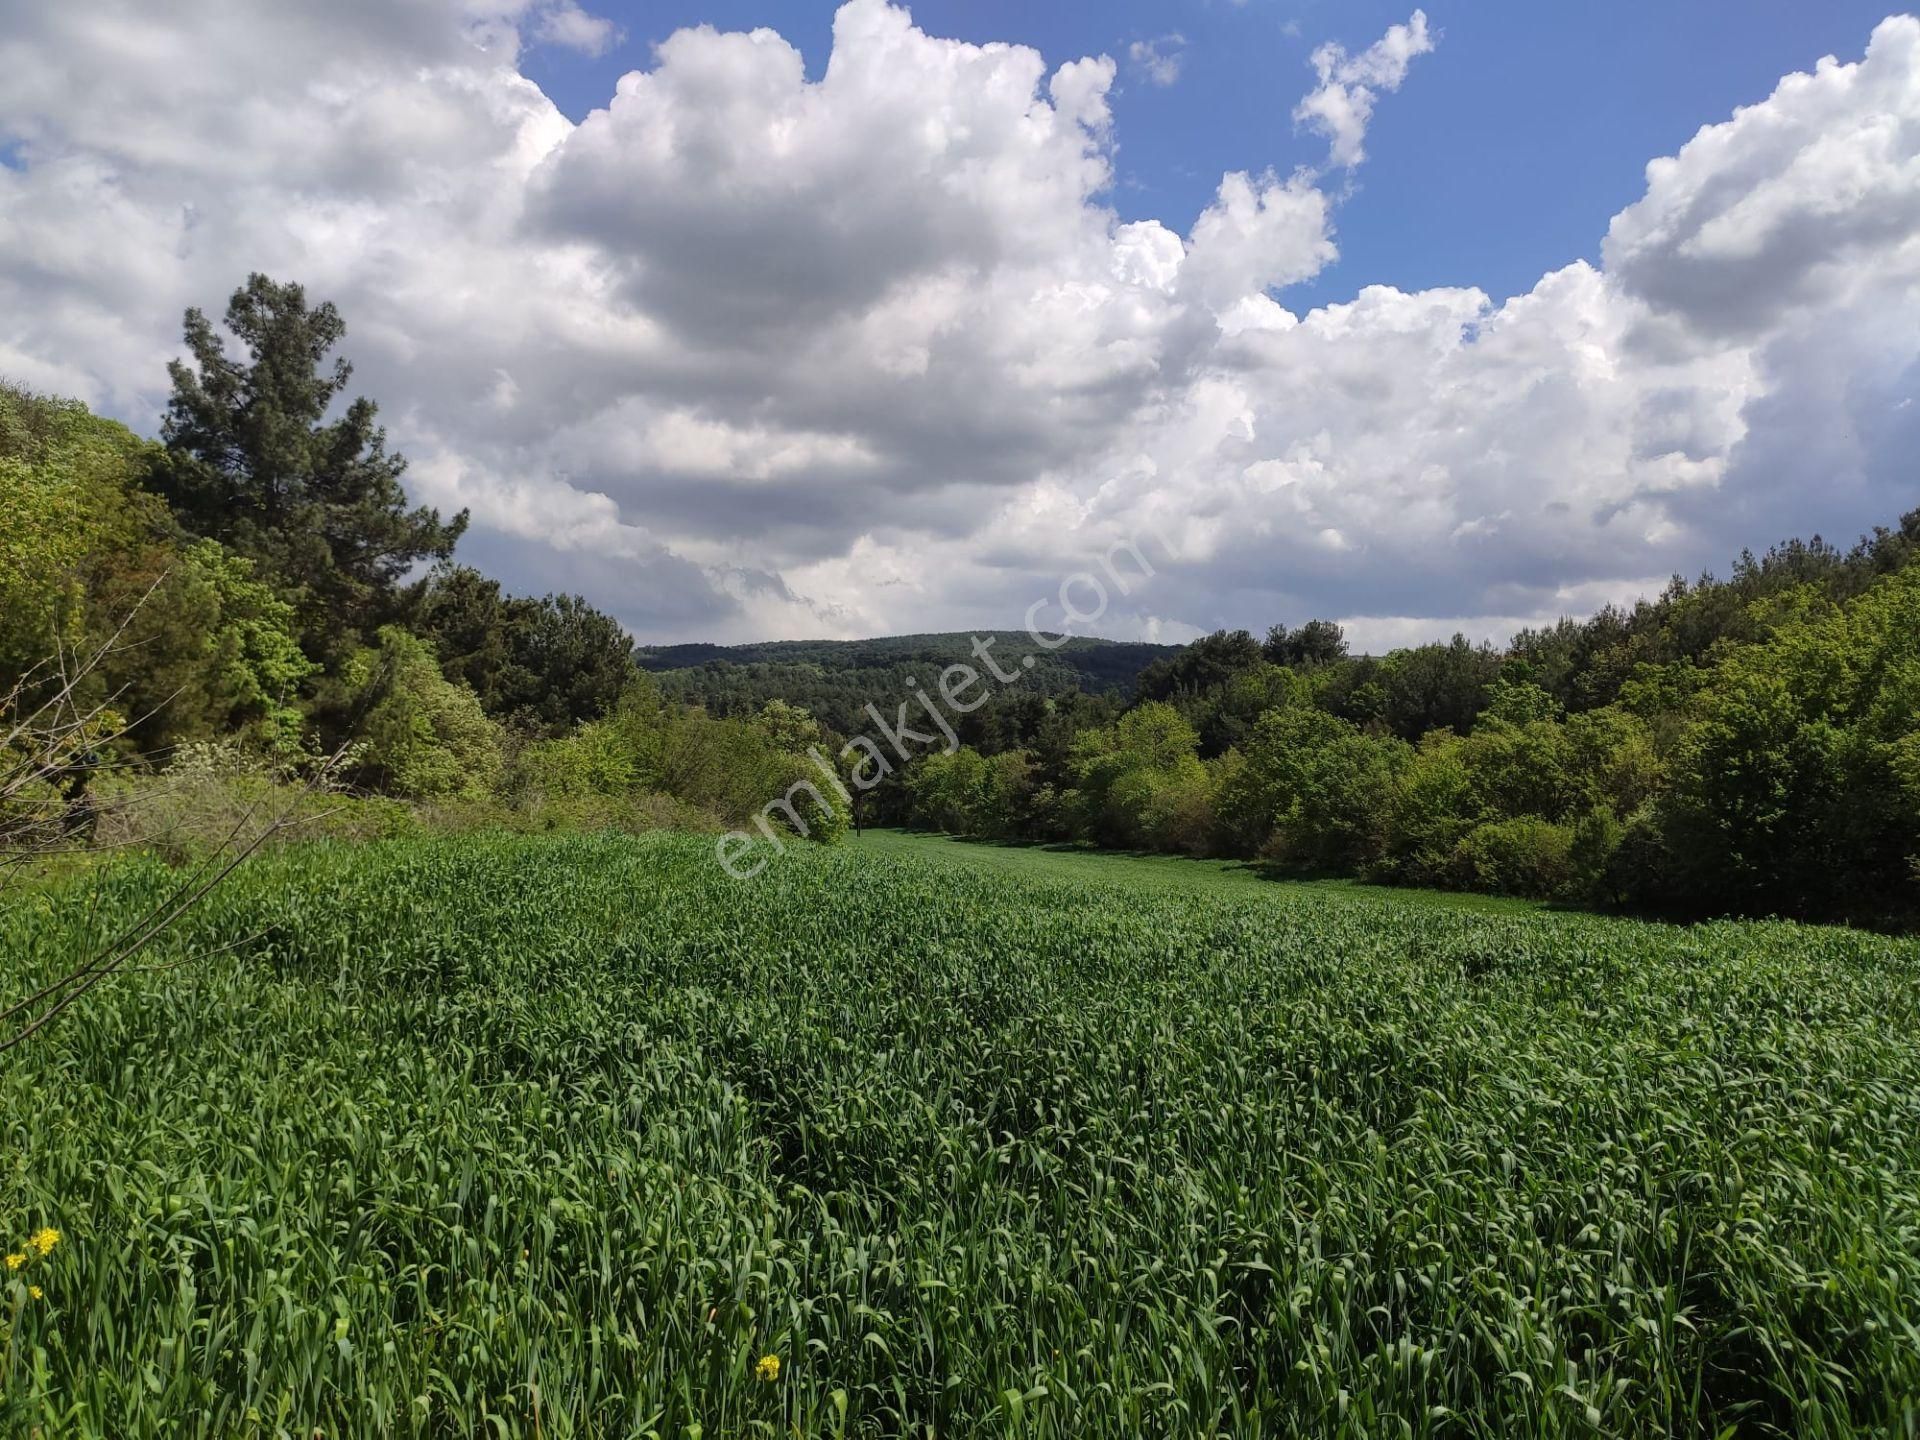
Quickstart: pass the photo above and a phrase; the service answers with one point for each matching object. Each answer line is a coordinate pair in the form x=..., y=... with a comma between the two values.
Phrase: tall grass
x=562, y=1137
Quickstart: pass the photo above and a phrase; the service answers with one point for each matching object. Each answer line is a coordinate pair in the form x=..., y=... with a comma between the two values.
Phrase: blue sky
x=1502, y=157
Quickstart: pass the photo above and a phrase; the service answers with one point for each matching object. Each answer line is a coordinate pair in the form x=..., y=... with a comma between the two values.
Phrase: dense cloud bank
x=748, y=355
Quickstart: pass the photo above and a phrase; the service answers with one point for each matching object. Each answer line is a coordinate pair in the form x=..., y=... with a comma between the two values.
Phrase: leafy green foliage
x=204, y=648
x=66, y=494
x=253, y=666
x=1316, y=643
x=559, y=1137
x=968, y=793
x=1205, y=665
x=1591, y=663
x=1436, y=687
x=1135, y=781
x=788, y=727
x=731, y=770
x=1793, y=790
x=421, y=735
x=1313, y=790
x=1527, y=856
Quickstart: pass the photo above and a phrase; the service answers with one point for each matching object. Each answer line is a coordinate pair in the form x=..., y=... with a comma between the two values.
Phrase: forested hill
x=835, y=679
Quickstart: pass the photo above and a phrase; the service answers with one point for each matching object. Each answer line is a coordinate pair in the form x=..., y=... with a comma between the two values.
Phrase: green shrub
x=1592, y=855
x=598, y=759
x=1433, y=807
x=421, y=735
x=1528, y=857
x=219, y=795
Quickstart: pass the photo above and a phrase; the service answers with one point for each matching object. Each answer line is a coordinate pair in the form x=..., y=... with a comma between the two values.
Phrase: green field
x=562, y=1136
x=1082, y=865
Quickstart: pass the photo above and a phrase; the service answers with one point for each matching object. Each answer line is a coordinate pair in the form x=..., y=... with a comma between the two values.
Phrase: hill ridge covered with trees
x=835, y=679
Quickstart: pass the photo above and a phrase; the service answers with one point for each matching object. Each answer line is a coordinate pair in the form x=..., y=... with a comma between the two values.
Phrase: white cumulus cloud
x=746, y=353
x=568, y=25
x=1342, y=105
x=1159, y=59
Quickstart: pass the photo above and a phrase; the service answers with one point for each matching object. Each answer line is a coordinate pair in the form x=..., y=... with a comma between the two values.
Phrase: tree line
x=253, y=596
x=1744, y=745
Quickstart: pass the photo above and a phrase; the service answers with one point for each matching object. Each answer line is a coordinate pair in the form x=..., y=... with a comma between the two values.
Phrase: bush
x=1119, y=771
x=1177, y=816
x=653, y=764
x=597, y=760
x=1432, y=810
x=423, y=735
x=944, y=791
x=220, y=794
x=1528, y=857
x=1265, y=777
x=1596, y=842
x=1337, y=820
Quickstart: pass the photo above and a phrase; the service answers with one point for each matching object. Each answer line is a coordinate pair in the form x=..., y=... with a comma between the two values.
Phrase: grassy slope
x=1080, y=865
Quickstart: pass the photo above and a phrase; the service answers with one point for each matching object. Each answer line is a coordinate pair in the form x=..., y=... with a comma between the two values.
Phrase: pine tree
x=252, y=460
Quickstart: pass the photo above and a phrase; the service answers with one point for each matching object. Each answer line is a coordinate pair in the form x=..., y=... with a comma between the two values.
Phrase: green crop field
x=1083, y=864
x=579, y=1136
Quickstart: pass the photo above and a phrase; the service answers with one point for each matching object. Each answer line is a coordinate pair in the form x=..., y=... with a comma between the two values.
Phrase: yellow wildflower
x=45, y=1239
x=14, y=1262
x=769, y=1368
x=34, y=1291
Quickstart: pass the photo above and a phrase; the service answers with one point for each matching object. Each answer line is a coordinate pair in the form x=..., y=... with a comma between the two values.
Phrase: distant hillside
x=835, y=679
